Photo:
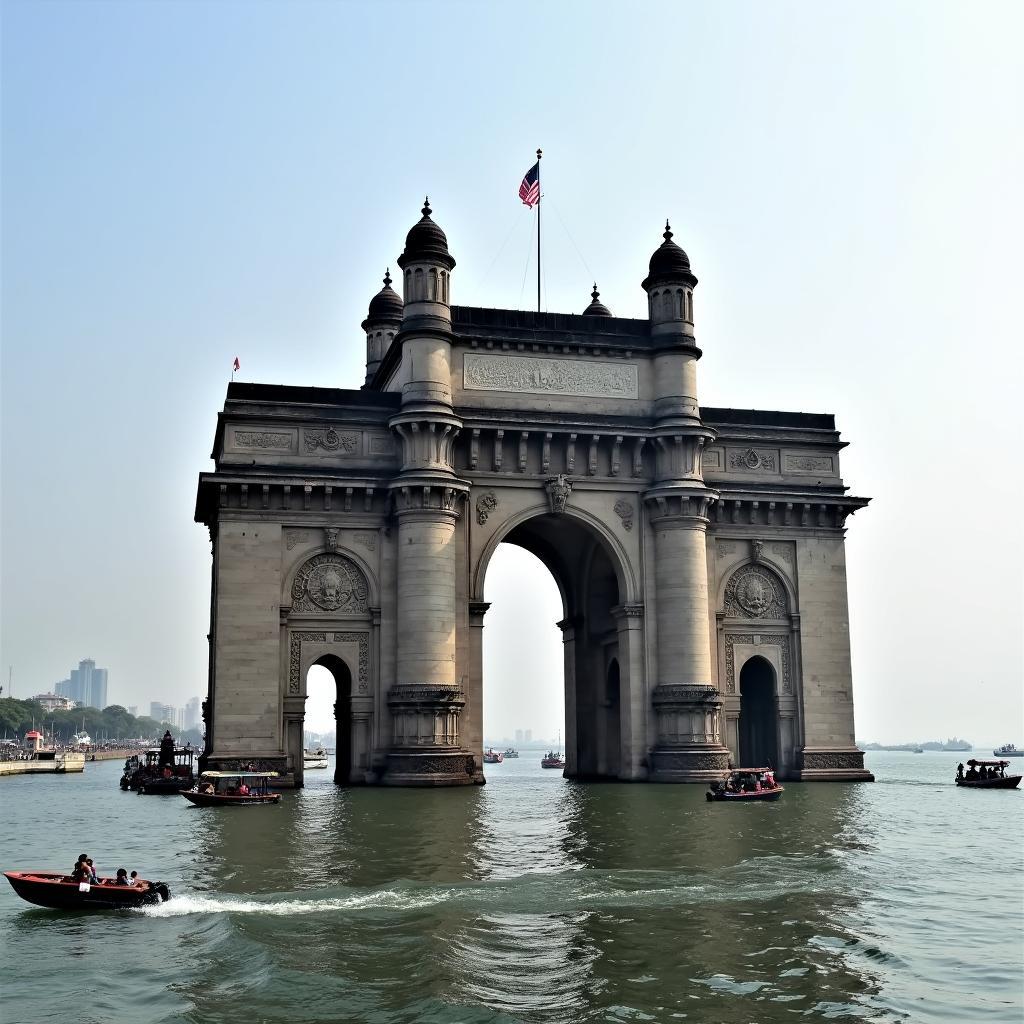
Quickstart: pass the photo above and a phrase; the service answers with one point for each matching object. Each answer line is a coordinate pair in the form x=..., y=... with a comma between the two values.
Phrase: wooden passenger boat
x=59, y=892
x=493, y=757
x=552, y=759
x=152, y=774
x=746, y=785
x=314, y=758
x=232, y=789
x=1000, y=780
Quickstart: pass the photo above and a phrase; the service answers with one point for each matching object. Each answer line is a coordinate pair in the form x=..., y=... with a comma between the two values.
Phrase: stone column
x=473, y=715
x=426, y=702
x=632, y=692
x=688, y=747
x=569, y=626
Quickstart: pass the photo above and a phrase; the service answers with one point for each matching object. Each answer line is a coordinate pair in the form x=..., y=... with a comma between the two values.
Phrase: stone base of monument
x=827, y=764
x=438, y=767
x=696, y=763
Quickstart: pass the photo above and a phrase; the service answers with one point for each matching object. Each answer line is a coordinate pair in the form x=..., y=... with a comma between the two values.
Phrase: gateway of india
x=699, y=552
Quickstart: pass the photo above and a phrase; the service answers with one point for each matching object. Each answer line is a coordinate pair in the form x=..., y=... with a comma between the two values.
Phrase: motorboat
x=159, y=772
x=231, y=789
x=314, y=758
x=552, y=759
x=493, y=757
x=1009, y=750
x=918, y=750
x=745, y=785
x=986, y=775
x=510, y=752
x=60, y=892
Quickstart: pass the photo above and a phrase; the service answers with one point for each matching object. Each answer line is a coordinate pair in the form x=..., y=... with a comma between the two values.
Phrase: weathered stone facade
x=699, y=552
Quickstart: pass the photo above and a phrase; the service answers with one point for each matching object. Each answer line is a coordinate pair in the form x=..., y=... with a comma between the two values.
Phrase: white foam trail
x=180, y=906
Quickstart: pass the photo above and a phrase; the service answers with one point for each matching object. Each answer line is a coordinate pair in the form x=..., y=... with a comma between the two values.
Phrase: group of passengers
x=751, y=782
x=977, y=772
x=85, y=872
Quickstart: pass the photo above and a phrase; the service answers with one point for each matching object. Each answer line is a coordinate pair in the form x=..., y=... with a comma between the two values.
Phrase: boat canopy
x=750, y=770
x=1001, y=764
x=238, y=775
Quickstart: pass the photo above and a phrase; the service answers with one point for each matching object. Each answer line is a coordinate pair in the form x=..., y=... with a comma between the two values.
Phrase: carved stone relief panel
x=265, y=440
x=331, y=441
x=753, y=460
x=539, y=375
x=780, y=640
x=330, y=583
x=754, y=592
x=625, y=511
x=809, y=464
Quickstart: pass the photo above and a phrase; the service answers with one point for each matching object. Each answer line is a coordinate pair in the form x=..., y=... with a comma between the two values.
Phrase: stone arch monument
x=353, y=529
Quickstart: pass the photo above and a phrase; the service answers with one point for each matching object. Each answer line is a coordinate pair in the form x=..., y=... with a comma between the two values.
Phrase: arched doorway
x=758, y=726
x=341, y=710
x=578, y=558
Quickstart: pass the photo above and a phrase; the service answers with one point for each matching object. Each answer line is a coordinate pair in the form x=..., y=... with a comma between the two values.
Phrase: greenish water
x=530, y=899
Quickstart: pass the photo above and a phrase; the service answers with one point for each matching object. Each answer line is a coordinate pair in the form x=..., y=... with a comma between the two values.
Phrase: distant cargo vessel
x=1008, y=750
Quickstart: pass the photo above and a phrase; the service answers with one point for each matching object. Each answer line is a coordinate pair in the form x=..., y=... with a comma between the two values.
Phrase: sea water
x=530, y=899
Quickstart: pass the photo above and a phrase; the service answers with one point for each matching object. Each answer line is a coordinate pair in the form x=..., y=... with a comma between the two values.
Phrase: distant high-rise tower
x=519, y=736
x=87, y=685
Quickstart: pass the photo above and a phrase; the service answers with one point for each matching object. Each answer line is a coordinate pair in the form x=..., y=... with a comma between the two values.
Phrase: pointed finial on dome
x=426, y=211
x=668, y=231
x=387, y=278
x=386, y=304
x=596, y=307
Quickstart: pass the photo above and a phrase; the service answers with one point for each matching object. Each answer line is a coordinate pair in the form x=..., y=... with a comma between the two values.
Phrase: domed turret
x=381, y=325
x=426, y=242
x=596, y=307
x=669, y=285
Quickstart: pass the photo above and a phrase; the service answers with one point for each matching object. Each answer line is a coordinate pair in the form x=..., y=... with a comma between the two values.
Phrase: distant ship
x=957, y=744
x=511, y=752
x=1008, y=750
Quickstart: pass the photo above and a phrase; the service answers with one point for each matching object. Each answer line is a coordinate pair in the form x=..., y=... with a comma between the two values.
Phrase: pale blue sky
x=184, y=182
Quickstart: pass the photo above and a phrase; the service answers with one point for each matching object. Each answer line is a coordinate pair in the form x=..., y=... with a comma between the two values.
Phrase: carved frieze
x=296, y=640
x=754, y=592
x=780, y=640
x=753, y=459
x=842, y=759
x=625, y=511
x=266, y=439
x=331, y=440
x=330, y=583
x=809, y=463
x=485, y=505
x=541, y=375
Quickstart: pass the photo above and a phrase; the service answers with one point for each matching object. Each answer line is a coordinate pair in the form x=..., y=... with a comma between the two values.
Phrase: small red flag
x=237, y=365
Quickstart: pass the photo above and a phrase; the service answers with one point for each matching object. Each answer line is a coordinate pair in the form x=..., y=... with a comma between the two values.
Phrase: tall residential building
x=133, y=710
x=163, y=713
x=519, y=737
x=87, y=685
x=192, y=714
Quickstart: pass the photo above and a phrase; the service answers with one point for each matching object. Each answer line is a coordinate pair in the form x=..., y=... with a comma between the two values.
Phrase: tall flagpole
x=539, y=154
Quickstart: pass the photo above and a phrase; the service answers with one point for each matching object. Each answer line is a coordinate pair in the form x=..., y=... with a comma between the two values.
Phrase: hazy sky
x=183, y=183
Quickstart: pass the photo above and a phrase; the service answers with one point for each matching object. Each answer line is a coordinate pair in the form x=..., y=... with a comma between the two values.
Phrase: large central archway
x=758, y=726
x=589, y=578
x=342, y=686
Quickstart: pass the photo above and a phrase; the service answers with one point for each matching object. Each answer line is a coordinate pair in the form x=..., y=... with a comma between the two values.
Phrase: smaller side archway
x=343, y=744
x=759, y=715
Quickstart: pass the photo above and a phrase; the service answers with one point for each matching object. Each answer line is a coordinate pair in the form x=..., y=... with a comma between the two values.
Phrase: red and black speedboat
x=987, y=775
x=59, y=892
x=746, y=785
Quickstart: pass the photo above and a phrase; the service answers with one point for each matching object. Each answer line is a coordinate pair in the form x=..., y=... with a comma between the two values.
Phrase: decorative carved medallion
x=330, y=440
x=751, y=459
x=625, y=511
x=263, y=439
x=779, y=640
x=559, y=488
x=753, y=592
x=292, y=538
x=485, y=505
x=540, y=375
x=330, y=583
x=295, y=656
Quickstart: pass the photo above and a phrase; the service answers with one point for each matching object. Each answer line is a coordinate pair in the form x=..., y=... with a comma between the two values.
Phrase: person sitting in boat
x=243, y=790
x=206, y=788
x=972, y=774
x=133, y=878
x=122, y=878
x=93, y=877
x=960, y=771
x=81, y=870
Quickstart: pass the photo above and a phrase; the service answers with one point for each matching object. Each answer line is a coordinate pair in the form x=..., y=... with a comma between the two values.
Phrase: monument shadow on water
x=699, y=552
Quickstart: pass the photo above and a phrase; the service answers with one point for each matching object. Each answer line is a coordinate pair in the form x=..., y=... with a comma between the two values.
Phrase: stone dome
x=426, y=242
x=387, y=303
x=596, y=307
x=669, y=261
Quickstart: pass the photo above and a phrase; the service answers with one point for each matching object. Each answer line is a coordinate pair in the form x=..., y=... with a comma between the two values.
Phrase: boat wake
x=181, y=906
